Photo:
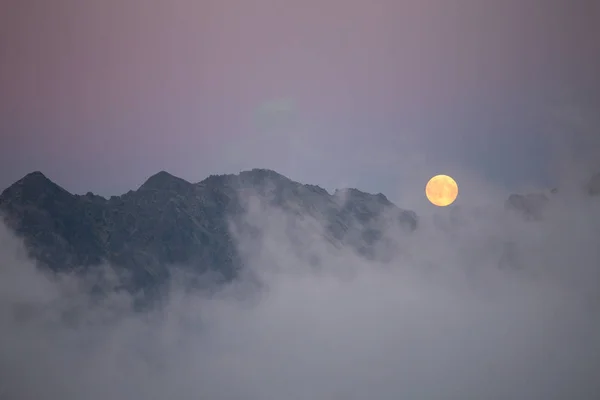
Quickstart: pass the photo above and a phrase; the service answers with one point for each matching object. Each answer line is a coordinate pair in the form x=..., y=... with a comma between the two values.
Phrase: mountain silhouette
x=169, y=221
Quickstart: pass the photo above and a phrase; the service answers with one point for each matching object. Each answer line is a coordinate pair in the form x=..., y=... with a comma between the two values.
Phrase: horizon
x=330, y=191
x=337, y=94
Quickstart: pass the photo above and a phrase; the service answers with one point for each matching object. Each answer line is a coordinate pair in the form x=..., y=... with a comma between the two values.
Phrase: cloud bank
x=445, y=317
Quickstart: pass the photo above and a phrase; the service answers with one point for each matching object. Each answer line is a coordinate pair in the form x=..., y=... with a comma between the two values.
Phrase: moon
x=441, y=190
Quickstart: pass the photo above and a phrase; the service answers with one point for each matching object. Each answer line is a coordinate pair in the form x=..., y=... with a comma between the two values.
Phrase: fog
x=448, y=316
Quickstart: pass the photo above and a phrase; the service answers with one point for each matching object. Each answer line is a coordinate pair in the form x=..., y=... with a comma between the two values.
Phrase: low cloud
x=443, y=319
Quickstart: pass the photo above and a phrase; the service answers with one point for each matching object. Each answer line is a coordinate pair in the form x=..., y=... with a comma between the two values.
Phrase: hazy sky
x=100, y=95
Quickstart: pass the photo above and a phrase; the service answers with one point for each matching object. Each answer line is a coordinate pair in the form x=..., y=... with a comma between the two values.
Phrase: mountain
x=531, y=206
x=169, y=221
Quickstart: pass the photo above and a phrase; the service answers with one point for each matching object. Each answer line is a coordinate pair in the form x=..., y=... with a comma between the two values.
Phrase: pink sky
x=101, y=94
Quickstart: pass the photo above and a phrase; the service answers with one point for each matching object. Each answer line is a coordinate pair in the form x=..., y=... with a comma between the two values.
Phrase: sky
x=101, y=95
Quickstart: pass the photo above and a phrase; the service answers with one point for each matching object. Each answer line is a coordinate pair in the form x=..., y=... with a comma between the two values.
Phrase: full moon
x=441, y=190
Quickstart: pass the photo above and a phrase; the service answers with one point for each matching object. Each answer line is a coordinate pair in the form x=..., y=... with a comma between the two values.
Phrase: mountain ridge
x=170, y=221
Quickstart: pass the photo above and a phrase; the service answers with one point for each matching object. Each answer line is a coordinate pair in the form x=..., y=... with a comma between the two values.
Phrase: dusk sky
x=99, y=95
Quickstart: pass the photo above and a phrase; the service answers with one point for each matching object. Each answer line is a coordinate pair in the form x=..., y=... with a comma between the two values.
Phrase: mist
x=436, y=314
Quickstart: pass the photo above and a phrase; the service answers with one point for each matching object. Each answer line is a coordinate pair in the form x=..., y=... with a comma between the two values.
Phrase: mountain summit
x=164, y=181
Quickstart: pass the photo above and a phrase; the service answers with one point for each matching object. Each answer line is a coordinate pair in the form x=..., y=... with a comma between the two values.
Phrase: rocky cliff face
x=169, y=221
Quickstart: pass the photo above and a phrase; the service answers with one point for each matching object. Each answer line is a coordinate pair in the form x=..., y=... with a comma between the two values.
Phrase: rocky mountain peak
x=35, y=180
x=351, y=195
x=35, y=176
x=33, y=187
x=164, y=181
x=262, y=176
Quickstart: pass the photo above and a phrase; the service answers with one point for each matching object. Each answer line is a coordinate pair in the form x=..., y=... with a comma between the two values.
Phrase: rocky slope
x=169, y=221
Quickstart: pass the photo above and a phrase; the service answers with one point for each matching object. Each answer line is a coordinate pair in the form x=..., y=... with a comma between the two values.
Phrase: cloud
x=440, y=320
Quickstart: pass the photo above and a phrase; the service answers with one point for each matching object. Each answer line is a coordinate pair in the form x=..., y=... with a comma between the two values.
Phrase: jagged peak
x=38, y=180
x=317, y=189
x=33, y=185
x=263, y=173
x=165, y=181
x=255, y=176
x=353, y=193
x=35, y=177
x=382, y=198
x=348, y=196
x=216, y=179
